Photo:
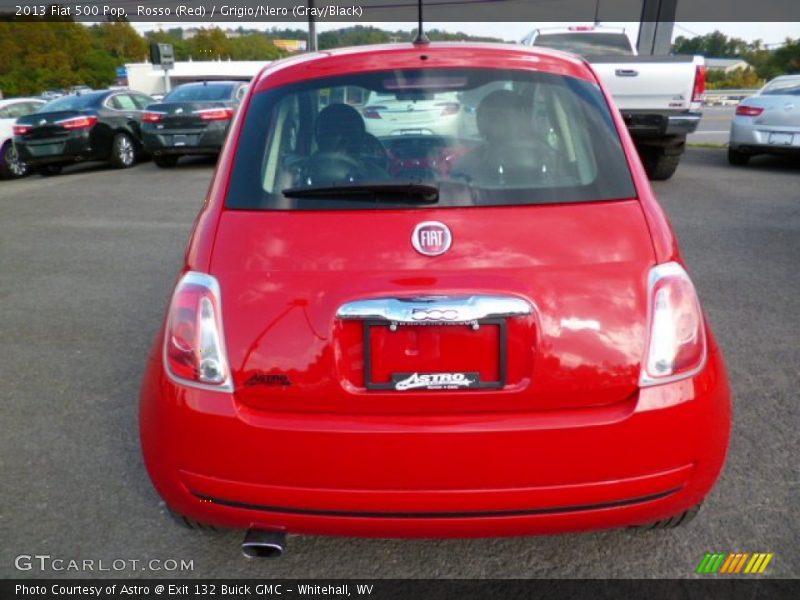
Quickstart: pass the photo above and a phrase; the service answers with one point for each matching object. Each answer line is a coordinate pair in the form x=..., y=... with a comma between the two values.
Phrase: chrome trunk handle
x=435, y=309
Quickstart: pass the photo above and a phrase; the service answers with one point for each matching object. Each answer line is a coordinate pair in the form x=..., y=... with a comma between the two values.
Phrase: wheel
x=11, y=166
x=50, y=170
x=737, y=158
x=123, y=152
x=166, y=161
x=190, y=523
x=660, y=166
x=672, y=522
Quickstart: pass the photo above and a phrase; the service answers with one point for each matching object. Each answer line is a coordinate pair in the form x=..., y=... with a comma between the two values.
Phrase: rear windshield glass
x=478, y=136
x=71, y=103
x=786, y=87
x=586, y=43
x=191, y=93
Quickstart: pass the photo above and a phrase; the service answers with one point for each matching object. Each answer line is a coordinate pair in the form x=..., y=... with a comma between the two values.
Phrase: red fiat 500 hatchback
x=386, y=329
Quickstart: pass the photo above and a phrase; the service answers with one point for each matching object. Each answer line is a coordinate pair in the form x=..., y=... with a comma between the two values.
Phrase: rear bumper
x=206, y=141
x=648, y=124
x=641, y=460
x=73, y=148
x=750, y=137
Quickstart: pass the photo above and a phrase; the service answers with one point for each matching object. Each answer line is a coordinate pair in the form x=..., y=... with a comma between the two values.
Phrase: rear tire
x=11, y=167
x=123, y=152
x=660, y=166
x=50, y=170
x=737, y=158
x=166, y=161
x=672, y=522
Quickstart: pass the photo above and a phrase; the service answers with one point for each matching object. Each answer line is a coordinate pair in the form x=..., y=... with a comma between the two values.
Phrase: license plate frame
x=780, y=138
x=180, y=139
x=502, y=356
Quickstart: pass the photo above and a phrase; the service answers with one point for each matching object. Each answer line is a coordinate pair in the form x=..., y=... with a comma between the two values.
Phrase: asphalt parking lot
x=715, y=126
x=87, y=261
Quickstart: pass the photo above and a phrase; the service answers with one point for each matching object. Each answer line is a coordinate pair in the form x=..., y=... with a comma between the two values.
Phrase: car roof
x=209, y=83
x=363, y=59
x=7, y=101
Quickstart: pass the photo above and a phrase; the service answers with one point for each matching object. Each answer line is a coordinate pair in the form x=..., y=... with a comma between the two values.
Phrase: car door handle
x=626, y=73
x=435, y=309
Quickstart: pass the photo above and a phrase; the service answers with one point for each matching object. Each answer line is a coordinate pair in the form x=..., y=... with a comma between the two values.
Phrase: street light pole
x=312, y=28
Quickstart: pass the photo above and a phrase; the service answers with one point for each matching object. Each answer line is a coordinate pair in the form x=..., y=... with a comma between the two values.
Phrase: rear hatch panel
x=580, y=267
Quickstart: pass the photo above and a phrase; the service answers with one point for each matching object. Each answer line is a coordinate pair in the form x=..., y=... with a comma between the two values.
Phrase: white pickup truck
x=659, y=96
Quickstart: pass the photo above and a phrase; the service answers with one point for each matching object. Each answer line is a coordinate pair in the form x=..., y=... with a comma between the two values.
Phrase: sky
x=769, y=33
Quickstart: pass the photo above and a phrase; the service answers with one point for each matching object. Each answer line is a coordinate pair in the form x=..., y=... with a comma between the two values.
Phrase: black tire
x=191, y=523
x=737, y=158
x=50, y=170
x=660, y=166
x=123, y=152
x=166, y=161
x=673, y=522
x=10, y=165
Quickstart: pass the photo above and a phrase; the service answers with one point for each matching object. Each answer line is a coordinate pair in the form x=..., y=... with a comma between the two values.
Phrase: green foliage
x=738, y=79
x=767, y=63
x=37, y=55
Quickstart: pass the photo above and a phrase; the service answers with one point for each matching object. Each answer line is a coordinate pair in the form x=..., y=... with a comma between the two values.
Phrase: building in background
x=727, y=65
x=149, y=79
x=291, y=45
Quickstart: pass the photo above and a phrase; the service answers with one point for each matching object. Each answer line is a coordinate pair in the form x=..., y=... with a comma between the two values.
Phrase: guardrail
x=726, y=96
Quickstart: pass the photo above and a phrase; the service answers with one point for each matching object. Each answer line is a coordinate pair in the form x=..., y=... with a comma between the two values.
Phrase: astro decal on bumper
x=433, y=381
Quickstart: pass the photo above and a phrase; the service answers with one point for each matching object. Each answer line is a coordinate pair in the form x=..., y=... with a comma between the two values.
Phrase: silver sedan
x=767, y=123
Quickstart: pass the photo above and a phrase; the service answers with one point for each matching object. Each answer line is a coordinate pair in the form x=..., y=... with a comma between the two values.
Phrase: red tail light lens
x=449, y=108
x=699, y=83
x=194, y=352
x=748, y=111
x=215, y=114
x=78, y=122
x=676, y=347
x=151, y=116
x=371, y=112
x=21, y=129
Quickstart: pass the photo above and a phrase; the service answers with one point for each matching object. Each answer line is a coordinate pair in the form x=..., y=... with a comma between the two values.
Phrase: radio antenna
x=421, y=37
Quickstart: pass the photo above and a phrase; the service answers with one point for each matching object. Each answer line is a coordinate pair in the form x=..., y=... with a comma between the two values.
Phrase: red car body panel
x=571, y=442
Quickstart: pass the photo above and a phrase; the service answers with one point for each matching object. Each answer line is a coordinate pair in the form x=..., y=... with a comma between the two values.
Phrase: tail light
x=214, y=114
x=152, y=116
x=371, y=112
x=21, y=129
x=676, y=346
x=78, y=122
x=699, y=83
x=194, y=349
x=749, y=111
x=581, y=28
x=449, y=108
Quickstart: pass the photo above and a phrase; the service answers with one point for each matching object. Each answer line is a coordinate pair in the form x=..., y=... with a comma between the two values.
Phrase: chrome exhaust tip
x=264, y=544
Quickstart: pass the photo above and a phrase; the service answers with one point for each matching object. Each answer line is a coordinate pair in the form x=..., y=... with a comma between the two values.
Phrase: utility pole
x=312, y=28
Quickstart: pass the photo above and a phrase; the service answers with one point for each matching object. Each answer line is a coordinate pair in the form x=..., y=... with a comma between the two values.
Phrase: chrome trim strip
x=435, y=309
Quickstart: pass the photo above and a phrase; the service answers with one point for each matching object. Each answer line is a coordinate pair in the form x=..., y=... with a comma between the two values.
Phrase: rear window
x=784, y=87
x=586, y=44
x=71, y=103
x=480, y=137
x=200, y=93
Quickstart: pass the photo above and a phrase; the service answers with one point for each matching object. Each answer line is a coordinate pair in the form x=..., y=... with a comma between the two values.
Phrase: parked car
x=489, y=333
x=102, y=125
x=767, y=123
x=660, y=96
x=80, y=89
x=192, y=119
x=10, y=110
x=48, y=95
x=397, y=114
